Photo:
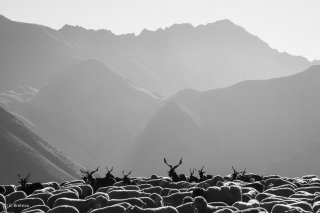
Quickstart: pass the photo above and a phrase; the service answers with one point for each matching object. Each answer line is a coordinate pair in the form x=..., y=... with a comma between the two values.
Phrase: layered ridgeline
x=267, y=126
x=22, y=152
x=91, y=113
x=164, y=61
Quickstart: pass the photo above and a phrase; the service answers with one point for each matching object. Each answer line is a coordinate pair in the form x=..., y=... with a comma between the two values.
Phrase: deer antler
x=129, y=173
x=165, y=161
x=91, y=173
x=85, y=172
x=180, y=162
x=109, y=171
x=234, y=171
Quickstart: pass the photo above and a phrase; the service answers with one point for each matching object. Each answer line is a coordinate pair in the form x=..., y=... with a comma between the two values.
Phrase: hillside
x=263, y=125
x=22, y=151
x=91, y=113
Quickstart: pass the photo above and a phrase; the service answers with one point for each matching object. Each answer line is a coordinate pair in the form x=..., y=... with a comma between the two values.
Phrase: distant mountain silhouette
x=22, y=151
x=182, y=56
x=164, y=61
x=91, y=113
x=263, y=125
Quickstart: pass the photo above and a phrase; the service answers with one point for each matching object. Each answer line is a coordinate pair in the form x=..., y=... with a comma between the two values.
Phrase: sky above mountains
x=289, y=26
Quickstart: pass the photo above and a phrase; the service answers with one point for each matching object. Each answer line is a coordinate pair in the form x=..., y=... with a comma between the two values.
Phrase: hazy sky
x=292, y=26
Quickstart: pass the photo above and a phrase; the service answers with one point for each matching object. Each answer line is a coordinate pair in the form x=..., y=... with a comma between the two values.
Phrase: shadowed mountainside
x=91, y=113
x=22, y=151
x=253, y=124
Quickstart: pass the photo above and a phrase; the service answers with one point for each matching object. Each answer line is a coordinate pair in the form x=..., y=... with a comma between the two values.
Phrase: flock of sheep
x=237, y=192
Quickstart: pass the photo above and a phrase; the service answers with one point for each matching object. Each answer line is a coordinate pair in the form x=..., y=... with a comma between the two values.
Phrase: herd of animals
x=237, y=192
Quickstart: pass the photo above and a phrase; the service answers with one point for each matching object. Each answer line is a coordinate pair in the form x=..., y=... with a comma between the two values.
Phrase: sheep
x=2, y=190
x=201, y=206
x=42, y=196
x=29, y=188
x=281, y=208
x=187, y=199
x=256, y=185
x=53, y=198
x=16, y=195
x=210, y=182
x=63, y=209
x=310, y=189
x=284, y=192
x=52, y=184
x=83, y=206
x=269, y=205
x=9, y=189
x=259, y=197
x=121, y=194
x=158, y=200
x=102, y=201
x=175, y=199
x=252, y=210
x=185, y=208
x=97, y=194
x=117, y=208
x=305, y=206
x=153, y=189
x=3, y=207
x=39, y=207
x=225, y=194
x=24, y=203
x=242, y=205
x=150, y=203
x=2, y=198
x=145, y=186
x=165, y=191
x=165, y=209
x=316, y=206
x=76, y=189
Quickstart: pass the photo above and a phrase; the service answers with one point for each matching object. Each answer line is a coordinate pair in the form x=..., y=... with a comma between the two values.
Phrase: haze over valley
x=214, y=94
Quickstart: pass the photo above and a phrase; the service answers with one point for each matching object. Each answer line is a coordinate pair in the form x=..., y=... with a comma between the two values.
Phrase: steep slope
x=91, y=112
x=182, y=56
x=22, y=151
x=251, y=124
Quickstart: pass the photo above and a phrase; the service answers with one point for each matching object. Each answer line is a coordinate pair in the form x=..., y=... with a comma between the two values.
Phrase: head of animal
x=235, y=174
x=172, y=172
x=126, y=180
x=109, y=175
x=201, y=172
x=23, y=181
x=89, y=175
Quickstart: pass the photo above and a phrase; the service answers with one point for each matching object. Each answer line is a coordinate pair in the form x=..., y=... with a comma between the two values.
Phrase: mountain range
x=130, y=100
x=263, y=125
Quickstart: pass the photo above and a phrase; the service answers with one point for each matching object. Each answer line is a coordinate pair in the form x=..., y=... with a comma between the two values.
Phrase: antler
x=244, y=171
x=165, y=161
x=234, y=171
x=180, y=162
x=85, y=172
x=109, y=171
x=129, y=173
x=91, y=173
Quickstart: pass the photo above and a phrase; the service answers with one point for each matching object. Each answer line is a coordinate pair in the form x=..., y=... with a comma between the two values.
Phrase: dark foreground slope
x=22, y=151
x=268, y=126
